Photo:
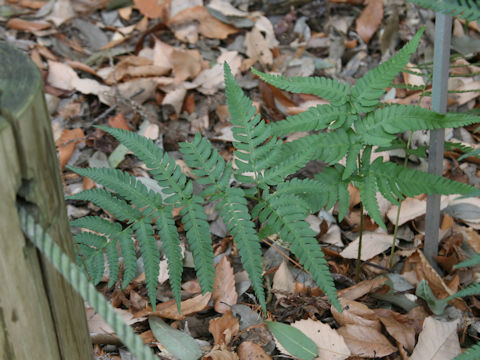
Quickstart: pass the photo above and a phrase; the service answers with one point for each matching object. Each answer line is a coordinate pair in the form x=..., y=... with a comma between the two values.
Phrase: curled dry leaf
x=25, y=25
x=224, y=328
x=365, y=341
x=369, y=20
x=331, y=345
x=357, y=314
x=398, y=326
x=224, y=293
x=66, y=144
x=220, y=354
x=437, y=341
x=362, y=288
x=118, y=121
x=283, y=281
x=248, y=350
x=168, y=310
x=207, y=25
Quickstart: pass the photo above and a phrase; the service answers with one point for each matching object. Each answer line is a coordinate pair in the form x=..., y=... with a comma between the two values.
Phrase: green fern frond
x=254, y=154
x=453, y=145
x=328, y=89
x=234, y=212
x=162, y=166
x=352, y=155
x=367, y=91
x=90, y=248
x=399, y=118
x=113, y=262
x=150, y=256
x=171, y=246
x=466, y=9
x=104, y=199
x=472, y=353
x=288, y=166
x=328, y=147
x=473, y=289
x=97, y=224
x=126, y=186
x=410, y=182
x=286, y=215
x=473, y=261
x=127, y=248
x=315, y=118
x=368, y=195
x=207, y=165
x=198, y=234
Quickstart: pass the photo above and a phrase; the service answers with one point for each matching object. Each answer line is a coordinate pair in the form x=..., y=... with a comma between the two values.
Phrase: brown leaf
x=365, y=341
x=437, y=341
x=66, y=144
x=119, y=122
x=283, y=281
x=24, y=25
x=398, y=326
x=224, y=293
x=220, y=354
x=372, y=244
x=330, y=345
x=187, y=64
x=248, y=350
x=208, y=25
x=168, y=310
x=152, y=9
x=362, y=288
x=224, y=328
x=369, y=20
x=357, y=314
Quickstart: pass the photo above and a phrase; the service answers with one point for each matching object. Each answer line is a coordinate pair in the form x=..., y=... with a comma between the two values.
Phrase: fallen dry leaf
x=224, y=328
x=207, y=25
x=118, y=121
x=66, y=144
x=331, y=345
x=187, y=64
x=224, y=294
x=249, y=350
x=398, y=326
x=257, y=47
x=283, y=281
x=362, y=288
x=372, y=245
x=369, y=20
x=365, y=341
x=168, y=310
x=152, y=9
x=25, y=25
x=220, y=354
x=356, y=313
x=437, y=341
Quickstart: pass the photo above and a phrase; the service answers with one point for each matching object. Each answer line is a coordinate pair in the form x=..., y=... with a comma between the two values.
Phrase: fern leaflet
x=466, y=9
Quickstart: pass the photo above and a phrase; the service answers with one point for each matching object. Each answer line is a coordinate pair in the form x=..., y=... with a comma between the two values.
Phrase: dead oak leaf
x=168, y=310
x=398, y=326
x=224, y=328
x=208, y=25
x=152, y=9
x=67, y=143
x=356, y=313
x=249, y=350
x=224, y=293
x=369, y=20
x=366, y=341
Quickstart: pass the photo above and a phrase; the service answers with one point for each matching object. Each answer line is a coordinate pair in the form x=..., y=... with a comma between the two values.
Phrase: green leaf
x=437, y=306
x=293, y=340
x=177, y=343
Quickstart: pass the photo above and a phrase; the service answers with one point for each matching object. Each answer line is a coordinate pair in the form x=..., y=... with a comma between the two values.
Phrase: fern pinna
x=351, y=125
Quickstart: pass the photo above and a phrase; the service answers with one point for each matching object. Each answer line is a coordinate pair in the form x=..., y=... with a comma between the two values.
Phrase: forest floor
x=156, y=68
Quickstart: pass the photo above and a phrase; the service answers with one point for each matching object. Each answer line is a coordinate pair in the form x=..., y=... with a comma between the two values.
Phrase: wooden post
x=41, y=316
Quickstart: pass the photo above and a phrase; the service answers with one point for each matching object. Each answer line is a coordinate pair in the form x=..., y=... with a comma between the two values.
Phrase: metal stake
x=441, y=62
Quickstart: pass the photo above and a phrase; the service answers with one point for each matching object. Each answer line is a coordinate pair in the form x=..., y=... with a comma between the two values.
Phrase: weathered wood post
x=41, y=316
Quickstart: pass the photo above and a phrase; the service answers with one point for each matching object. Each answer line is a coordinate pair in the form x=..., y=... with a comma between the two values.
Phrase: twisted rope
x=80, y=283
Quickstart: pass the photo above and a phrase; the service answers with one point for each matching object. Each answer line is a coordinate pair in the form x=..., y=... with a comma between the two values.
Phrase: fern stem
x=359, y=254
x=395, y=231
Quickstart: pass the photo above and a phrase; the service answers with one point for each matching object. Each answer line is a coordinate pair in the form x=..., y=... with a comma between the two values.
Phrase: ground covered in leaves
x=156, y=68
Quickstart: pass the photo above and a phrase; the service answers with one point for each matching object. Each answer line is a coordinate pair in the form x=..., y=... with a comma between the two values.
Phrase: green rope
x=80, y=283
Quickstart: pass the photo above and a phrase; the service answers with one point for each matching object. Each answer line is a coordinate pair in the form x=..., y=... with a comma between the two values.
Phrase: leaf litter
x=155, y=67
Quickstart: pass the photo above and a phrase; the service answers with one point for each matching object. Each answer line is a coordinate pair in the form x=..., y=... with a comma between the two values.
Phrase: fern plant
x=350, y=126
x=261, y=165
x=466, y=9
